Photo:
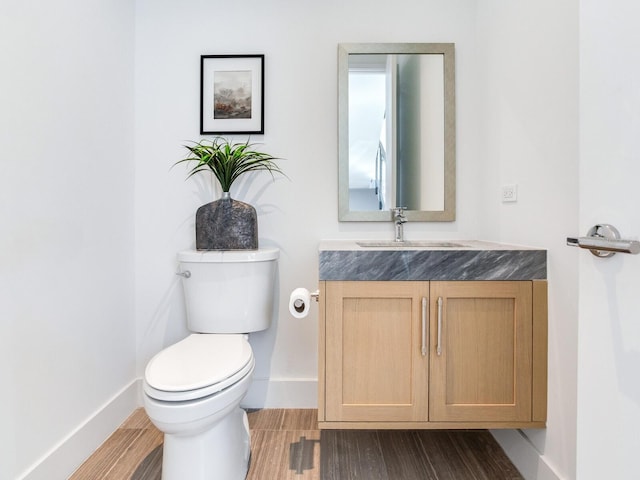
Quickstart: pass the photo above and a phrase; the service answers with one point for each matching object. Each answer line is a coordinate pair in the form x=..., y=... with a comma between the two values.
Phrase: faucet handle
x=398, y=213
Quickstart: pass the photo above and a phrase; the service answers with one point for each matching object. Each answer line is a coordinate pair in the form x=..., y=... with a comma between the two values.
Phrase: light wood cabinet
x=432, y=354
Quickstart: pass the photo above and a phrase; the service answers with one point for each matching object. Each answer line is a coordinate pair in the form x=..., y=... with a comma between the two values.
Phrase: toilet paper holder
x=300, y=301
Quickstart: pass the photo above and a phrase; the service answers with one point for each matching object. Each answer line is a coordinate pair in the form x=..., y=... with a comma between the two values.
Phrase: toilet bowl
x=192, y=389
x=192, y=393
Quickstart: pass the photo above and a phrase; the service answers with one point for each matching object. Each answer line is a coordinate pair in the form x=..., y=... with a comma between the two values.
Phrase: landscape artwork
x=232, y=94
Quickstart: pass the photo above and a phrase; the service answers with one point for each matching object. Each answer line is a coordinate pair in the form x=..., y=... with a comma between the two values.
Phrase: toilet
x=192, y=389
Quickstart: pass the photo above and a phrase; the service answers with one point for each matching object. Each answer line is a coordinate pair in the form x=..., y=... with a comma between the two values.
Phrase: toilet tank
x=229, y=291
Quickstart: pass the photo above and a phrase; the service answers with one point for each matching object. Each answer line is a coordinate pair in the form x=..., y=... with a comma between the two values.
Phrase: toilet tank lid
x=229, y=256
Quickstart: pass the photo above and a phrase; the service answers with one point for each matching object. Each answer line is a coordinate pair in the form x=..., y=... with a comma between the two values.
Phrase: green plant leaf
x=227, y=161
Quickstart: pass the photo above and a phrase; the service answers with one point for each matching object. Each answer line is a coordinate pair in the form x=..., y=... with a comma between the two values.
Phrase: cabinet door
x=375, y=368
x=483, y=368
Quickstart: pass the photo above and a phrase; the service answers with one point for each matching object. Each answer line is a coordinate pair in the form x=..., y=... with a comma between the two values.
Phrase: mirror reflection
x=397, y=138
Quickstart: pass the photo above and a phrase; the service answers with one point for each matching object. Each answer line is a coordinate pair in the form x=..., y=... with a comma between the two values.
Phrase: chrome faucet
x=399, y=219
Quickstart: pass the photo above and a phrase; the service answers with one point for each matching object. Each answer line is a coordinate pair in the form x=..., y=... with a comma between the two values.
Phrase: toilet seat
x=198, y=366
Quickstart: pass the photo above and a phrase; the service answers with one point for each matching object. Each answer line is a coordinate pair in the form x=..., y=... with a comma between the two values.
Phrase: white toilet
x=193, y=389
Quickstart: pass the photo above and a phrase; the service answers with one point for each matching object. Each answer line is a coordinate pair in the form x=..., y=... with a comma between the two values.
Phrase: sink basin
x=410, y=244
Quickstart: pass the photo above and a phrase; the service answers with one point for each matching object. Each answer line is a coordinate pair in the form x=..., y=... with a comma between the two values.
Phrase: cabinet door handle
x=424, y=326
x=439, y=345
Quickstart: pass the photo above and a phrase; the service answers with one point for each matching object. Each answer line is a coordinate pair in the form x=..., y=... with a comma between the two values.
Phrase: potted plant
x=227, y=224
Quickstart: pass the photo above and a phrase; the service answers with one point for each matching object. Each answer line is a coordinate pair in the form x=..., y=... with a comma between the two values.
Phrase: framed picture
x=231, y=94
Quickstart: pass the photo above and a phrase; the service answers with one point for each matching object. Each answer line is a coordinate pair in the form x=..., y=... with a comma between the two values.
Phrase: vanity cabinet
x=432, y=354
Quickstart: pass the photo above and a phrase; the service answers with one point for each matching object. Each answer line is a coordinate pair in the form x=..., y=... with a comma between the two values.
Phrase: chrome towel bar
x=603, y=240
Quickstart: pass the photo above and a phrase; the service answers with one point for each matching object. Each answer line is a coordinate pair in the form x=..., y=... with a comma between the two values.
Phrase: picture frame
x=231, y=94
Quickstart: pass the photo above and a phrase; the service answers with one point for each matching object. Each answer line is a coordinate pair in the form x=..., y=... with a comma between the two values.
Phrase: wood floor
x=413, y=455
x=286, y=444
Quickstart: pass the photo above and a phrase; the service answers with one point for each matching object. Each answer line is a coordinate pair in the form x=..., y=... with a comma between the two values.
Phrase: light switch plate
x=509, y=193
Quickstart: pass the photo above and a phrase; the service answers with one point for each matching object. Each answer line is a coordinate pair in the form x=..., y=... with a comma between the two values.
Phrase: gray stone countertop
x=467, y=260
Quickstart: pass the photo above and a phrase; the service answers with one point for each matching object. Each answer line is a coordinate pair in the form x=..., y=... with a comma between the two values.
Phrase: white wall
x=299, y=40
x=67, y=333
x=528, y=99
x=517, y=122
x=609, y=331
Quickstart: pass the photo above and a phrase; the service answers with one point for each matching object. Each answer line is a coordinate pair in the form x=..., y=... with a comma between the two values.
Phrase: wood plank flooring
x=414, y=455
x=286, y=445
x=119, y=457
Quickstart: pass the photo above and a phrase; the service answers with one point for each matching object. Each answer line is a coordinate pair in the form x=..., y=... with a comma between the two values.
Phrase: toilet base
x=220, y=453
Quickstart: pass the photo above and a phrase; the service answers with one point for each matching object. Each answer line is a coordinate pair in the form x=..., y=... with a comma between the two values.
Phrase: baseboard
x=63, y=459
x=527, y=459
x=282, y=393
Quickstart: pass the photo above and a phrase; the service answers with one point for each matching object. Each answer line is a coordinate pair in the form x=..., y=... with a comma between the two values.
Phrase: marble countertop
x=469, y=260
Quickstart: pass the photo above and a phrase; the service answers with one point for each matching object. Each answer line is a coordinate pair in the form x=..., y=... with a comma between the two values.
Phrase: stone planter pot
x=226, y=224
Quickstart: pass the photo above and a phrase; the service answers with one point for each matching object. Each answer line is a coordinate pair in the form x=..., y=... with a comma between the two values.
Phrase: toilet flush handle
x=185, y=274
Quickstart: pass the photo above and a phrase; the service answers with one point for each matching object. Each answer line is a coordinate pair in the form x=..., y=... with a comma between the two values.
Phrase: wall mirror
x=396, y=129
